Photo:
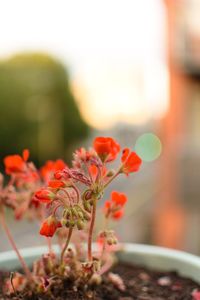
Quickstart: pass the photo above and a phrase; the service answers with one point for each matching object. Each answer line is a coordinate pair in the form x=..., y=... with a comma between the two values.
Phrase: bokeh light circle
x=148, y=146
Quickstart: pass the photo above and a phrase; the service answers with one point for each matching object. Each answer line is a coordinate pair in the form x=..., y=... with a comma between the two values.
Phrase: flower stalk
x=12, y=242
x=66, y=245
x=91, y=229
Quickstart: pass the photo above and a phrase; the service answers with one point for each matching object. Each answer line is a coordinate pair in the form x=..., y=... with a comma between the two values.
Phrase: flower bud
x=49, y=226
x=110, y=173
x=67, y=224
x=110, y=241
x=80, y=214
x=115, y=241
x=66, y=213
x=56, y=184
x=80, y=224
x=74, y=212
x=63, y=222
x=86, y=216
x=87, y=195
x=87, y=206
x=44, y=195
x=72, y=223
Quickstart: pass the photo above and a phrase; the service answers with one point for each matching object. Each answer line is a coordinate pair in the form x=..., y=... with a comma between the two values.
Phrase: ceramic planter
x=151, y=256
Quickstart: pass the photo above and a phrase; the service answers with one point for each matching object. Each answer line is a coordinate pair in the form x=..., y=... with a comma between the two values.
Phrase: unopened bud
x=74, y=212
x=72, y=223
x=67, y=224
x=87, y=195
x=63, y=222
x=86, y=216
x=87, y=206
x=80, y=225
x=80, y=214
x=110, y=173
x=110, y=241
x=66, y=213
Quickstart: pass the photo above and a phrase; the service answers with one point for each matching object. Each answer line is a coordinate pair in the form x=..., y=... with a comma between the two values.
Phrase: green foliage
x=37, y=108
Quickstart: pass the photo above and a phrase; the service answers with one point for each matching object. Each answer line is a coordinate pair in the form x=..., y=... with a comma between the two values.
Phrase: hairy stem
x=66, y=244
x=94, y=207
x=104, y=242
x=108, y=264
x=77, y=191
x=49, y=244
x=12, y=242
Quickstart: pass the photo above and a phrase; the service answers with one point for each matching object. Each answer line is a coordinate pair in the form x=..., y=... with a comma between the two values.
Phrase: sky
x=114, y=50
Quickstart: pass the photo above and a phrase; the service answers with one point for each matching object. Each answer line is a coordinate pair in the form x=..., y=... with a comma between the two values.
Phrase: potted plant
x=65, y=200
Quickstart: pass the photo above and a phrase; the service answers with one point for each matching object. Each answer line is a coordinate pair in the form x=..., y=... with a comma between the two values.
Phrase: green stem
x=91, y=229
x=12, y=242
x=66, y=244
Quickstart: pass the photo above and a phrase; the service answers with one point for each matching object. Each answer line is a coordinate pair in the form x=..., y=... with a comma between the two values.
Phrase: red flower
x=49, y=226
x=25, y=154
x=131, y=161
x=93, y=170
x=50, y=167
x=118, y=214
x=107, y=148
x=44, y=196
x=15, y=163
x=119, y=199
x=56, y=184
x=114, y=208
x=107, y=205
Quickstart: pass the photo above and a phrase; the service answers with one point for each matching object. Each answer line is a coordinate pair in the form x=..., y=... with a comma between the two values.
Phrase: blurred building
x=180, y=167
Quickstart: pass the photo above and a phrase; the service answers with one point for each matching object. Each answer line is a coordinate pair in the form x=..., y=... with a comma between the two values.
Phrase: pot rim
x=127, y=247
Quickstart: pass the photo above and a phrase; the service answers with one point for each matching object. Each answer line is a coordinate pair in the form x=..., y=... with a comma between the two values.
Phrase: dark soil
x=140, y=283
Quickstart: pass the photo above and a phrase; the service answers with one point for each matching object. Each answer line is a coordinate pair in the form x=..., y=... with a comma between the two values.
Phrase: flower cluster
x=24, y=180
x=67, y=199
x=72, y=208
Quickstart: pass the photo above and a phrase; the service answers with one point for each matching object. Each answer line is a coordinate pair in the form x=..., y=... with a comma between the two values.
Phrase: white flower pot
x=151, y=256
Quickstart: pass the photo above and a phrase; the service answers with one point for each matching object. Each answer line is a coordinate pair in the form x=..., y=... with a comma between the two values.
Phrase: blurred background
x=71, y=70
